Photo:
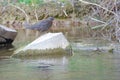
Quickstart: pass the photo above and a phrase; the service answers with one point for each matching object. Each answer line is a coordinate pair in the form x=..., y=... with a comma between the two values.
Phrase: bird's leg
x=47, y=31
x=27, y=32
x=37, y=34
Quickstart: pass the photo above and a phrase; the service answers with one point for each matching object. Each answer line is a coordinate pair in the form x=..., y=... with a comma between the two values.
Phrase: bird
x=41, y=26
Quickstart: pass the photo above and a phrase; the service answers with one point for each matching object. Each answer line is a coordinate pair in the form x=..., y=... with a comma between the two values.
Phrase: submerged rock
x=50, y=43
x=7, y=35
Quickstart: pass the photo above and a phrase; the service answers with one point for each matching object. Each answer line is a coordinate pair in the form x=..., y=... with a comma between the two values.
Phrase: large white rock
x=48, y=41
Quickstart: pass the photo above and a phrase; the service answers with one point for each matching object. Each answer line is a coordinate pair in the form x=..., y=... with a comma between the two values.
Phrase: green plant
x=31, y=1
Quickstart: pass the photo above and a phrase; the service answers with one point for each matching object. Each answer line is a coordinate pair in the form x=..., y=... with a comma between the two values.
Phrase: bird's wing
x=38, y=24
x=41, y=25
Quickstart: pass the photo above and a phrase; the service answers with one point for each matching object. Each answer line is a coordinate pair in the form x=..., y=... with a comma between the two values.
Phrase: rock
x=50, y=43
x=116, y=48
x=7, y=35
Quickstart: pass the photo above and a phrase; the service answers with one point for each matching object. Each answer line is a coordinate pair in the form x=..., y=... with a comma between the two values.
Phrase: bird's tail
x=27, y=25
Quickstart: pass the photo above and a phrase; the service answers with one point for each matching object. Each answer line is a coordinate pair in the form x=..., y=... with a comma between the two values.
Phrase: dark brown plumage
x=42, y=25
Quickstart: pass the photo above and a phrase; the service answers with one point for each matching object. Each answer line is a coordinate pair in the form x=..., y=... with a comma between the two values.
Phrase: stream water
x=82, y=65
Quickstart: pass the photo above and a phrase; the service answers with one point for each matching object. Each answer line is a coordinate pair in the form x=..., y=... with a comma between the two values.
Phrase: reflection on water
x=83, y=65
x=80, y=66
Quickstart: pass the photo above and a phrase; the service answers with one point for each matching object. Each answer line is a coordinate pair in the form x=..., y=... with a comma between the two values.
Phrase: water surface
x=82, y=65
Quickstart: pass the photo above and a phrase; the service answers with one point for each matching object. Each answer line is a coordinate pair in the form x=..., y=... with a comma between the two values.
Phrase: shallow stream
x=82, y=65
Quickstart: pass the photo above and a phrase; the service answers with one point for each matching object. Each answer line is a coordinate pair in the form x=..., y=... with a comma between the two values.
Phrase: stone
x=49, y=43
x=7, y=35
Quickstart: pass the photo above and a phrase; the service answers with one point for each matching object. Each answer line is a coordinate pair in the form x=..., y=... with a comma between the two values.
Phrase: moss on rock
x=32, y=53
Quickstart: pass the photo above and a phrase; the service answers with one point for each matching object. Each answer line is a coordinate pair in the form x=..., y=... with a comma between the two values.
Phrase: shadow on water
x=6, y=51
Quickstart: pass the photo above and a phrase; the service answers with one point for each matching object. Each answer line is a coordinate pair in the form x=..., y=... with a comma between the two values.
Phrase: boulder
x=7, y=35
x=50, y=43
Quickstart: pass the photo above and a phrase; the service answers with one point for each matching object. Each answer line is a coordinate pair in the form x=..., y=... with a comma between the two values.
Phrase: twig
x=27, y=18
x=97, y=20
x=36, y=14
x=85, y=2
x=65, y=13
